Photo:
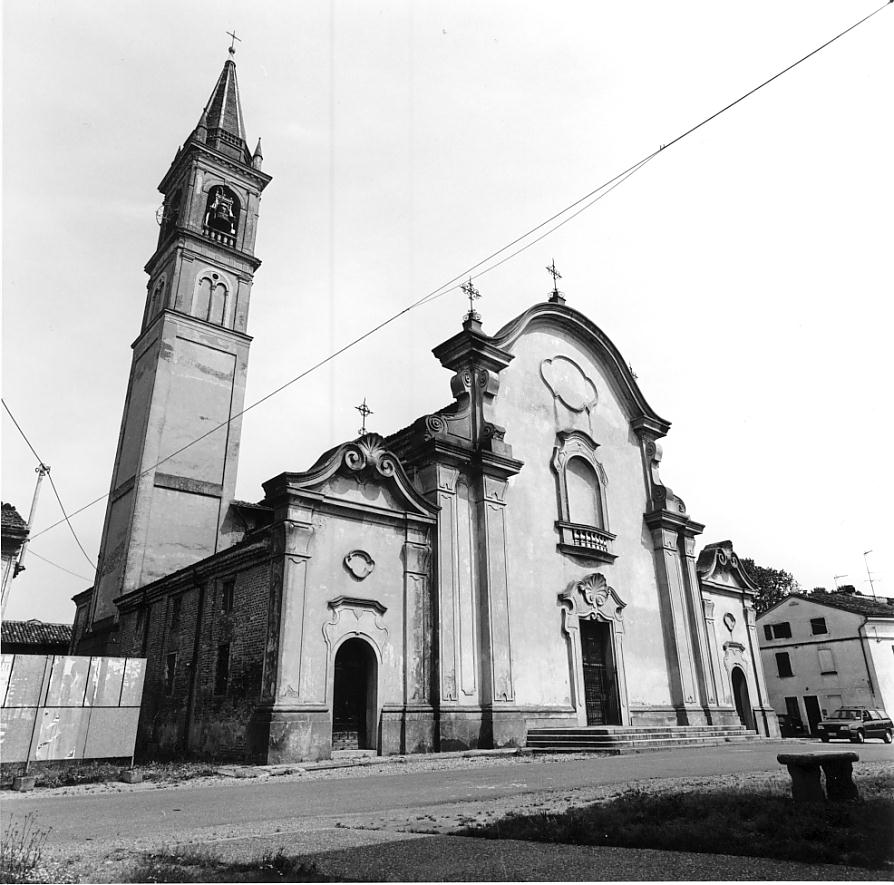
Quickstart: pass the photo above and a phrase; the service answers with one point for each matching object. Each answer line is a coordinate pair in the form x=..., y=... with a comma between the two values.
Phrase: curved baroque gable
x=570, y=320
x=367, y=458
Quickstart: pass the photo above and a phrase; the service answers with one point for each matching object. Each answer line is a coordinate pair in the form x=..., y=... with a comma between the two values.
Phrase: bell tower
x=175, y=470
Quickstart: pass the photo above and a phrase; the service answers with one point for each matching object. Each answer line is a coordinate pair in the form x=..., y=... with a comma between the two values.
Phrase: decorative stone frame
x=215, y=278
x=591, y=599
x=592, y=541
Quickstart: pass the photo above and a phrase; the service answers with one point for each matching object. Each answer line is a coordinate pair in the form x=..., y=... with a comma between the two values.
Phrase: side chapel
x=512, y=560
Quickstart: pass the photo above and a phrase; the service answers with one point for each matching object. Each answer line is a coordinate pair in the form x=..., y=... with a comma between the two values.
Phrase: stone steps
x=632, y=739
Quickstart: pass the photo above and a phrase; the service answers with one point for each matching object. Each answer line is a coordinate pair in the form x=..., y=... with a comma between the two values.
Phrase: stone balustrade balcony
x=586, y=540
x=219, y=236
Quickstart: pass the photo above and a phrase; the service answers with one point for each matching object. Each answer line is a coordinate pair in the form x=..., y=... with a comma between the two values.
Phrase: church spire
x=222, y=116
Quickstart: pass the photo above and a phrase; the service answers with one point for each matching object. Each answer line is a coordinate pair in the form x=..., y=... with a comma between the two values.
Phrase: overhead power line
x=553, y=223
x=49, y=476
x=60, y=567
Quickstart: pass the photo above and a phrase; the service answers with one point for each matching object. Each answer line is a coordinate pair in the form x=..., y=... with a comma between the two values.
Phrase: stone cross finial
x=232, y=49
x=364, y=410
x=555, y=296
x=473, y=295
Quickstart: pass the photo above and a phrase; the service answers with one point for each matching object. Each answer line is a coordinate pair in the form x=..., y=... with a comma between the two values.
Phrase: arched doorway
x=354, y=710
x=741, y=697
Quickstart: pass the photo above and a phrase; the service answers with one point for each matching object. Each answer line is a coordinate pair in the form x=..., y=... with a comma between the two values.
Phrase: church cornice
x=643, y=417
x=184, y=235
x=190, y=576
x=185, y=319
x=193, y=150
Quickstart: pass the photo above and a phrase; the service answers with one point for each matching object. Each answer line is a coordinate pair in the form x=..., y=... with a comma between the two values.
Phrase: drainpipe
x=864, y=638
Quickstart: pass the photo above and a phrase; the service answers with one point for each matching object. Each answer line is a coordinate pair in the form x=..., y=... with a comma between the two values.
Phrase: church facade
x=511, y=560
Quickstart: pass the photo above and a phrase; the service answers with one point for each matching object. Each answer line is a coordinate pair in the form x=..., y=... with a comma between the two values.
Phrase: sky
x=744, y=273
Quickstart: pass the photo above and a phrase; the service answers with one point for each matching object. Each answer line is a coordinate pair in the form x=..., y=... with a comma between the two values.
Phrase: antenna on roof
x=869, y=573
x=835, y=579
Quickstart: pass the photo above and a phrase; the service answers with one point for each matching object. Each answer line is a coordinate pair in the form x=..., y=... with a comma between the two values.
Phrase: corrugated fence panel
x=111, y=732
x=5, y=671
x=106, y=677
x=16, y=729
x=62, y=733
x=69, y=707
x=26, y=681
x=134, y=674
x=68, y=681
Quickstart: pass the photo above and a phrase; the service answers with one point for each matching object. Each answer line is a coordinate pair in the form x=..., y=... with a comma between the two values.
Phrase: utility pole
x=41, y=472
x=869, y=573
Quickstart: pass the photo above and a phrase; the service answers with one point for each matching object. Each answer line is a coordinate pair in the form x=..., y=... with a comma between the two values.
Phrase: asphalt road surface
x=142, y=815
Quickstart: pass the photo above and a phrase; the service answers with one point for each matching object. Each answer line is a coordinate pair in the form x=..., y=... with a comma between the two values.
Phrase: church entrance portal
x=600, y=683
x=740, y=693
x=354, y=719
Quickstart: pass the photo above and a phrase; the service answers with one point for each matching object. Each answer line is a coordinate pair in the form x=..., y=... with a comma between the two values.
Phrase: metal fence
x=68, y=707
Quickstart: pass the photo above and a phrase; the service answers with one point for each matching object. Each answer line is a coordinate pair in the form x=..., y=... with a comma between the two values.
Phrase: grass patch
x=737, y=822
x=197, y=865
x=21, y=850
x=97, y=772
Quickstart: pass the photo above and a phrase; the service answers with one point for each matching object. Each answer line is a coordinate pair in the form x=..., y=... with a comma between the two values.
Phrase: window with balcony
x=581, y=491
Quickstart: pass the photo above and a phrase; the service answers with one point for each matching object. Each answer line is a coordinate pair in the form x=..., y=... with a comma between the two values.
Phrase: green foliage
x=722, y=821
x=21, y=850
x=201, y=865
x=773, y=584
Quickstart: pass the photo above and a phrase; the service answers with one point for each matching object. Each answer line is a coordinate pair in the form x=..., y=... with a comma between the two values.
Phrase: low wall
x=57, y=707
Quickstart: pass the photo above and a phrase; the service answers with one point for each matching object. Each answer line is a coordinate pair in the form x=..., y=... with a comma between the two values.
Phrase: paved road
x=151, y=814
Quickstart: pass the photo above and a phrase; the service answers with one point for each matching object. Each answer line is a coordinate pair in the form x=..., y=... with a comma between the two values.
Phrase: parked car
x=791, y=726
x=856, y=724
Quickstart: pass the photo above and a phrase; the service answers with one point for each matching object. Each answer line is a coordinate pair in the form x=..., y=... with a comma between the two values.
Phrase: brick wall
x=189, y=708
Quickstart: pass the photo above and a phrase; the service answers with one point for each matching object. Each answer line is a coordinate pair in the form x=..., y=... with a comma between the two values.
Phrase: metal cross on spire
x=232, y=49
x=473, y=295
x=555, y=296
x=364, y=410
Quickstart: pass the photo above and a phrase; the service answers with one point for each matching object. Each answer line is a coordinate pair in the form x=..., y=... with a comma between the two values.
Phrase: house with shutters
x=827, y=650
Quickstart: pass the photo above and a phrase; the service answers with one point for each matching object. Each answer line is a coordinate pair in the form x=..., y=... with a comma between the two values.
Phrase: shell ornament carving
x=369, y=453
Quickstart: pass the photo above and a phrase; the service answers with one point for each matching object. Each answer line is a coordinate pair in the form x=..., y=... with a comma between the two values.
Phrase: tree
x=773, y=584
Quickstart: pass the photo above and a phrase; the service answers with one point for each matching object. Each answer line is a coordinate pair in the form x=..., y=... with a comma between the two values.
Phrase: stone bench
x=804, y=769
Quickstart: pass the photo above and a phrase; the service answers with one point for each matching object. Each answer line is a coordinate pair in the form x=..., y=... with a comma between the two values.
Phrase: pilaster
x=703, y=663
x=676, y=625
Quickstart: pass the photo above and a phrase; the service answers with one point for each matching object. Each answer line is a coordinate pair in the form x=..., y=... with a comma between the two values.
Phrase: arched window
x=584, y=493
x=221, y=219
x=583, y=522
x=156, y=300
x=210, y=302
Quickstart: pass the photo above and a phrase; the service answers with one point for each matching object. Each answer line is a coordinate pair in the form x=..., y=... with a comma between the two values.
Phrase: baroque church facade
x=512, y=560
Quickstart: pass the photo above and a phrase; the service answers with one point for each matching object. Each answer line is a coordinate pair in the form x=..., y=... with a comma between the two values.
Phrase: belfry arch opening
x=354, y=701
